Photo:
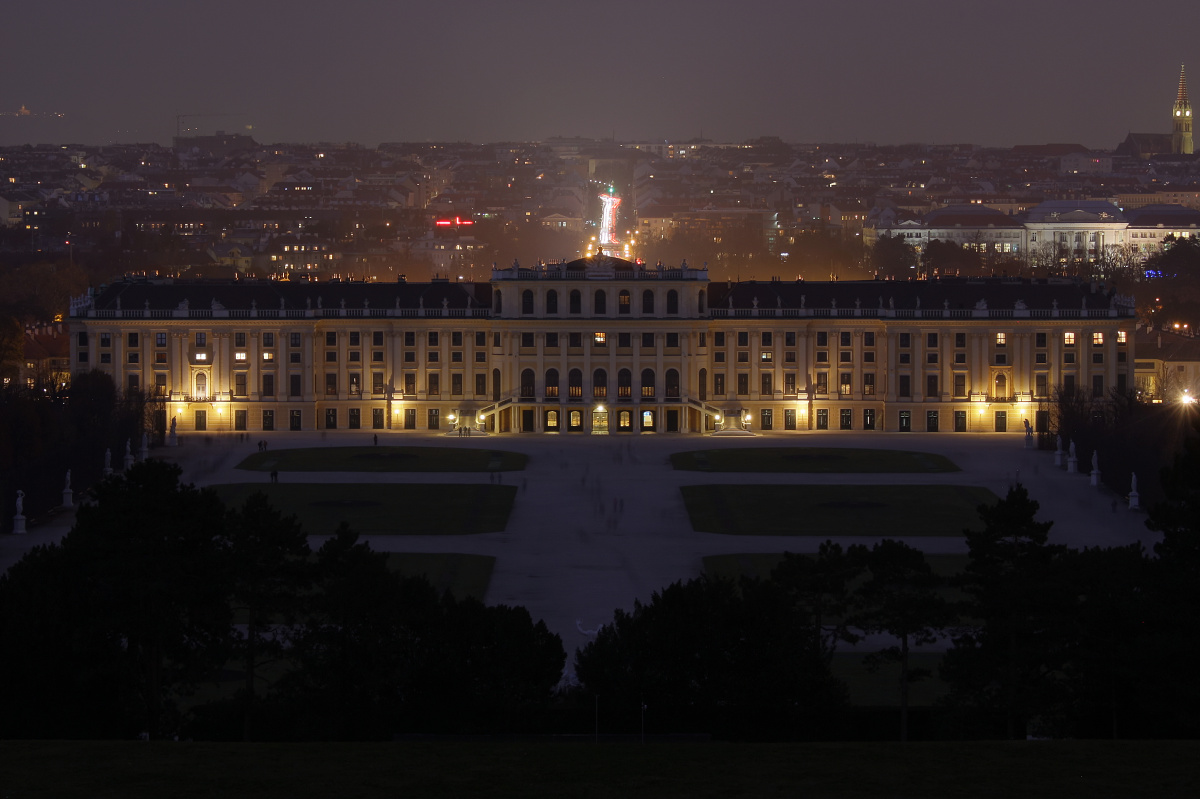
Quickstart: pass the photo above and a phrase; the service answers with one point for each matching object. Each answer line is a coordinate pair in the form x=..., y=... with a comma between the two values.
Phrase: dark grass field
x=896, y=511
x=827, y=460
x=385, y=508
x=544, y=768
x=759, y=565
x=462, y=575
x=385, y=459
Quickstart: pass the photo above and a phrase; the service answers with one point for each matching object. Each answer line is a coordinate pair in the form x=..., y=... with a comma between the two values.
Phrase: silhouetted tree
x=1011, y=662
x=901, y=599
x=893, y=257
x=268, y=572
x=707, y=656
x=820, y=587
x=142, y=610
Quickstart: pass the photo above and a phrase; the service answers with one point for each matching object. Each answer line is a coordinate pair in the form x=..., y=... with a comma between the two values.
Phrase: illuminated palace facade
x=605, y=346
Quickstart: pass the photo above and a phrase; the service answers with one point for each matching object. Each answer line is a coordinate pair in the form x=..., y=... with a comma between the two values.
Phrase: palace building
x=606, y=346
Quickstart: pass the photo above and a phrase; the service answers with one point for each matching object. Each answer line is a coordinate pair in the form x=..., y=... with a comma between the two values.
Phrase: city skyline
x=935, y=73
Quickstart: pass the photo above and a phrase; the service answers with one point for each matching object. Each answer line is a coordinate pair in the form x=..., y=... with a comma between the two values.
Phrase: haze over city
x=370, y=71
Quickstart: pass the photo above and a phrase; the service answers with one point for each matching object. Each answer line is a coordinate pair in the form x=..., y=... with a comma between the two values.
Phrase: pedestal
x=68, y=498
x=108, y=471
x=1072, y=466
x=1058, y=458
x=128, y=462
x=1095, y=478
x=172, y=440
x=18, y=525
x=1134, y=501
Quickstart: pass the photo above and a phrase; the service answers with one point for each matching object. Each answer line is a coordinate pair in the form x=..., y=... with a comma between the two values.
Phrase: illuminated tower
x=609, y=203
x=1181, y=117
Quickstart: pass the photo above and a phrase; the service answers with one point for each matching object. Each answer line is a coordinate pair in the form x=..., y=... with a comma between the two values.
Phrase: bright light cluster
x=608, y=221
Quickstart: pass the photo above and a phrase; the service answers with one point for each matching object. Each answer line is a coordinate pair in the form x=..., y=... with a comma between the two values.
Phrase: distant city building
x=1181, y=136
x=1177, y=142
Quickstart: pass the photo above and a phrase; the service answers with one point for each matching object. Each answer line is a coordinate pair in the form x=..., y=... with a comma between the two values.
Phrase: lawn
x=385, y=459
x=462, y=575
x=895, y=511
x=759, y=565
x=385, y=508
x=534, y=769
x=827, y=460
x=881, y=688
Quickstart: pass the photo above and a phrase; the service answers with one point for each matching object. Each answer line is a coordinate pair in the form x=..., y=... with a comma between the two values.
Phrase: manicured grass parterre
x=462, y=575
x=759, y=565
x=826, y=460
x=385, y=459
x=385, y=508
x=893, y=511
x=535, y=769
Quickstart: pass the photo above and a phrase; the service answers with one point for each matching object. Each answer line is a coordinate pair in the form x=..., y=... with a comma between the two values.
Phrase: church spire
x=1181, y=119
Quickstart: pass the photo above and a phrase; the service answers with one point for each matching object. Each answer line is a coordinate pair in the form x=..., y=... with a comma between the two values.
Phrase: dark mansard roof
x=287, y=295
x=954, y=294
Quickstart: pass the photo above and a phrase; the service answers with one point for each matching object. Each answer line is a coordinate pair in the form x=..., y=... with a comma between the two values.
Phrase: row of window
x=295, y=340
x=599, y=384
x=354, y=419
x=599, y=302
x=624, y=339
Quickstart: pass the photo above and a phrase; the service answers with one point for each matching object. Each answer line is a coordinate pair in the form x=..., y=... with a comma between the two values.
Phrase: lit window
x=1120, y=336
x=239, y=356
x=201, y=356
x=600, y=339
x=1097, y=339
x=268, y=356
x=1001, y=339
x=1069, y=339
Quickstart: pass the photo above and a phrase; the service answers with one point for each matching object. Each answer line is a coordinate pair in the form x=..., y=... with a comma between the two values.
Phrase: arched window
x=495, y=385
x=647, y=302
x=624, y=420
x=551, y=420
x=551, y=383
x=497, y=302
x=701, y=301
x=599, y=384
x=1001, y=386
x=648, y=383
x=600, y=303
x=624, y=384
x=551, y=301
x=672, y=301
x=526, y=302
x=623, y=303
x=201, y=384
x=527, y=384
x=575, y=384
x=576, y=302
x=703, y=382
x=672, y=383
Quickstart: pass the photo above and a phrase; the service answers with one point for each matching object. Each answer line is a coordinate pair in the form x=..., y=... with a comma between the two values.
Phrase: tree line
x=160, y=599
x=164, y=613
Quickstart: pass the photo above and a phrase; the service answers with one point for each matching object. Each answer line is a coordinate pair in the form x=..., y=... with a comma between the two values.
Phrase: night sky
x=373, y=70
